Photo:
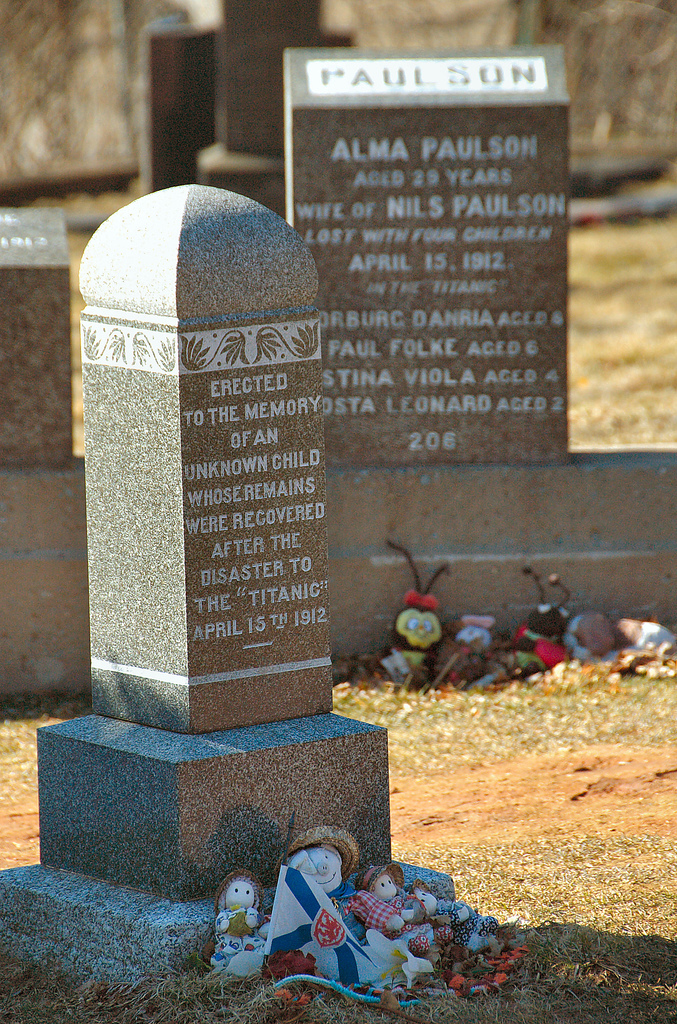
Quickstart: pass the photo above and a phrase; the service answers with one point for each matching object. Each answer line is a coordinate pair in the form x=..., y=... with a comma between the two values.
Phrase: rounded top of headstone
x=197, y=252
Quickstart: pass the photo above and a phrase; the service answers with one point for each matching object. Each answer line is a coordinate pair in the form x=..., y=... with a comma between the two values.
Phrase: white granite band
x=242, y=346
x=219, y=677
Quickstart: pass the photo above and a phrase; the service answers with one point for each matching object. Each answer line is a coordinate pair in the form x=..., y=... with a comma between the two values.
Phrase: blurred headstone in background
x=180, y=105
x=36, y=417
x=76, y=87
x=247, y=156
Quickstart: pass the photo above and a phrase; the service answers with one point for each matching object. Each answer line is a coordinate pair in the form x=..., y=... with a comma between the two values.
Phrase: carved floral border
x=239, y=347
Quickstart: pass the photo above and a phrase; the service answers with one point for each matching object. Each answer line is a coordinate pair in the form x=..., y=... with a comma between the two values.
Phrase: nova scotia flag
x=305, y=918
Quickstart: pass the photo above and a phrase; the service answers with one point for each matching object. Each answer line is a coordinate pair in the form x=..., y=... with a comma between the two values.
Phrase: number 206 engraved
x=432, y=441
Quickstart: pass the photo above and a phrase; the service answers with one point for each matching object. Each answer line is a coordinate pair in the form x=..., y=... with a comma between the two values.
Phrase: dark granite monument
x=249, y=112
x=35, y=364
x=432, y=191
x=249, y=88
x=180, y=89
x=207, y=552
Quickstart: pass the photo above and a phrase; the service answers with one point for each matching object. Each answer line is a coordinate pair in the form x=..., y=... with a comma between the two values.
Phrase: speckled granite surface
x=204, y=456
x=105, y=932
x=36, y=417
x=96, y=930
x=172, y=814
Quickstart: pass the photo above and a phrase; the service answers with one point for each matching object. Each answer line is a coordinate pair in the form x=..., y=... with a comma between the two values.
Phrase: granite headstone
x=205, y=466
x=180, y=71
x=207, y=562
x=432, y=190
x=35, y=363
x=249, y=48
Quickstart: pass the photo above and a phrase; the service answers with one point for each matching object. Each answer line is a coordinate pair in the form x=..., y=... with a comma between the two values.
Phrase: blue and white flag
x=305, y=918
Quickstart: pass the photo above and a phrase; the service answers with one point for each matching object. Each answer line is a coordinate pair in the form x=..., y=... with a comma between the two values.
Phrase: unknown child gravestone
x=432, y=191
x=207, y=557
x=35, y=364
x=218, y=615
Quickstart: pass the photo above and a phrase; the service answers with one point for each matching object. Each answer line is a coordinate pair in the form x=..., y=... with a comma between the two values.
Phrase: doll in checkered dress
x=381, y=903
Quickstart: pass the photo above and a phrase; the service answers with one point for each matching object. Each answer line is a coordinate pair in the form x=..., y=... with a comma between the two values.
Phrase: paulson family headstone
x=207, y=555
x=35, y=364
x=432, y=190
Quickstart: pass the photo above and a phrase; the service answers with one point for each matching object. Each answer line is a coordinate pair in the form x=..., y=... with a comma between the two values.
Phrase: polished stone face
x=433, y=195
x=204, y=452
x=36, y=416
x=173, y=815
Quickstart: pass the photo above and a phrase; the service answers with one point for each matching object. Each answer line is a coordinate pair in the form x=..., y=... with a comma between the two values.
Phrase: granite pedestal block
x=172, y=814
x=94, y=930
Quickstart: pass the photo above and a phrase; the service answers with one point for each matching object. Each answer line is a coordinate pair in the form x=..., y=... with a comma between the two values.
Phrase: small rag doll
x=239, y=925
x=381, y=903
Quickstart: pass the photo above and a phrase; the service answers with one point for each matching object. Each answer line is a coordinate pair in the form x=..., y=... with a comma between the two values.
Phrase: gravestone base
x=91, y=929
x=173, y=814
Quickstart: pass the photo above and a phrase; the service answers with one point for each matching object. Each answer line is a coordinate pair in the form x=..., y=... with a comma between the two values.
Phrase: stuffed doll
x=466, y=927
x=592, y=636
x=539, y=641
x=381, y=903
x=239, y=925
x=328, y=855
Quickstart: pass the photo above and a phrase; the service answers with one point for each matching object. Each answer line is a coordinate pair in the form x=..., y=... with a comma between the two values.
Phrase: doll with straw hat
x=328, y=854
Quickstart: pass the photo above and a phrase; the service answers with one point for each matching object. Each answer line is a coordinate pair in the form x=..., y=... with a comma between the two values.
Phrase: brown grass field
x=554, y=800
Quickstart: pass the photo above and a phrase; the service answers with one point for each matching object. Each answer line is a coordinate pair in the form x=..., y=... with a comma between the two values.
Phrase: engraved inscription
x=442, y=261
x=254, y=499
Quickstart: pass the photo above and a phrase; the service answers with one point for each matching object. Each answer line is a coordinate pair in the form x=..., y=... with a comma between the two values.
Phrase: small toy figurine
x=329, y=855
x=239, y=926
x=417, y=627
x=538, y=641
x=381, y=903
x=466, y=927
x=592, y=636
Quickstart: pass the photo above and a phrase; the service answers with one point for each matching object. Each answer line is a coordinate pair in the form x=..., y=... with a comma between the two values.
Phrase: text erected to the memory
x=255, y=510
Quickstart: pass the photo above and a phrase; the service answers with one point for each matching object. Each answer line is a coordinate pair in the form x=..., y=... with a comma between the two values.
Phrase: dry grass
x=572, y=975
x=623, y=334
x=567, y=710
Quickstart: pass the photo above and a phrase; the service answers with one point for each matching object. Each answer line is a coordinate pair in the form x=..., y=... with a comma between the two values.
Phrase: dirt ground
x=606, y=788
x=621, y=789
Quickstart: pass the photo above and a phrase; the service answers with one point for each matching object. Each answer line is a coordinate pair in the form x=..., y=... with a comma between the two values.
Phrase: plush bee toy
x=418, y=630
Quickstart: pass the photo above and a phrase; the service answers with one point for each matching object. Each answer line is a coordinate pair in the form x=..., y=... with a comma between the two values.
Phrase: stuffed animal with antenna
x=417, y=627
x=538, y=641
